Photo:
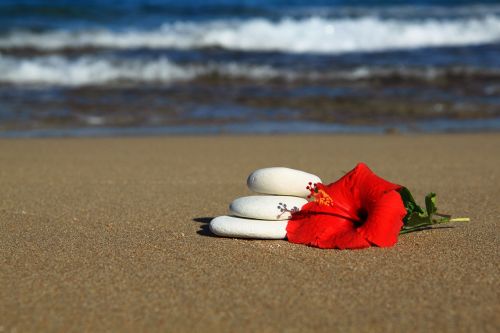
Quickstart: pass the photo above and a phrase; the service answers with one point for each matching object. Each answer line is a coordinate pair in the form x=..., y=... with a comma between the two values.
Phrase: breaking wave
x=295, y=35
x=91, y=70
x=88, y=70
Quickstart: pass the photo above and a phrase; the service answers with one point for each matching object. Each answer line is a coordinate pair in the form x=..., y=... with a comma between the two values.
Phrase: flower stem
x=412, y=229
x=460, y=219
x=428, y=225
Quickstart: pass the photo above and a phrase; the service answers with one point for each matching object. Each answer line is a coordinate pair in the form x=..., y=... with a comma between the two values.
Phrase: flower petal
x=385, y=219
x=325, y=231
x=357, y=189
x=371, y=187
x=364, y=210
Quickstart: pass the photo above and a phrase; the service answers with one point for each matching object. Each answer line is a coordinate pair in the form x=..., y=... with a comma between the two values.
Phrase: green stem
x=427, y=225
x=412, y=229
x=460, y=219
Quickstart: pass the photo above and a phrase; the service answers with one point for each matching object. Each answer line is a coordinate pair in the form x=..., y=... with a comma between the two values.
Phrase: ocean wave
x=56, y=70
x=89, y=70
x=306, y=35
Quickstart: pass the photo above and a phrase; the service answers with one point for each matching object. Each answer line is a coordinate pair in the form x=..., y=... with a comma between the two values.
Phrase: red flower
x=357, y=211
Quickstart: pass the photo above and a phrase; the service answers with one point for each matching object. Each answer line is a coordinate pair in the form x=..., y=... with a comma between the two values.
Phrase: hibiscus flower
x=357, y=211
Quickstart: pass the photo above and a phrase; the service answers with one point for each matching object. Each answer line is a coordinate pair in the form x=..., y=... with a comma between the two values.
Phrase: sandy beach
x=112, y=235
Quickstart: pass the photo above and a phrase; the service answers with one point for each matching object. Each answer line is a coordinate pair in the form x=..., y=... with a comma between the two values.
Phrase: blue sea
x=150, y=67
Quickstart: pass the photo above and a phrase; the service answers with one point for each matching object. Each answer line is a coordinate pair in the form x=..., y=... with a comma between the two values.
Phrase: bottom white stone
x=229, y=226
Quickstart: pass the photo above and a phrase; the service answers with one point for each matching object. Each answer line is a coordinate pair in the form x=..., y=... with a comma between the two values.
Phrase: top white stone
x=281, y=181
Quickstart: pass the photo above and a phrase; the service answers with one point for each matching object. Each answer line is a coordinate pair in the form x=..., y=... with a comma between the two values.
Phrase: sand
x=111, y=235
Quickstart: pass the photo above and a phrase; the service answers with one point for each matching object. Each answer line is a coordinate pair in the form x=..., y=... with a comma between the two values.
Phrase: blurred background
x=96, y=67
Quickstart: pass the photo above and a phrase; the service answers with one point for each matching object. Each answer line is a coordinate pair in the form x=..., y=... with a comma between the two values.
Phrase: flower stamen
x=319, y=196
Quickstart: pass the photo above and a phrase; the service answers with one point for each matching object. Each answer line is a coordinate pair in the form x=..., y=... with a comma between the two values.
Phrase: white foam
x=314, y=34
x=91, y=70
x=87, y=70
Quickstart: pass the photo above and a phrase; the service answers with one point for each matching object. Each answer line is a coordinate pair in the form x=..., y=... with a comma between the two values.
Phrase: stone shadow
x=204, y=227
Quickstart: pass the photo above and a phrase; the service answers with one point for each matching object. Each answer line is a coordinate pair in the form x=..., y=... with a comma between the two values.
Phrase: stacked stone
x=282, y=191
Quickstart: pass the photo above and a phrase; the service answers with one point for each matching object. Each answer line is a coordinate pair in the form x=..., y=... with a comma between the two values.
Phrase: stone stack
x=282, y=191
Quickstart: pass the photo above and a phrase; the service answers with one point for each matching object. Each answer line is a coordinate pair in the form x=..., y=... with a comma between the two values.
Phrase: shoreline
x=259, y=128
x=111, y=234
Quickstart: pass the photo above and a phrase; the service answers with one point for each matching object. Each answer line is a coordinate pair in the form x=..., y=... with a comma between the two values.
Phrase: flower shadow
x=431, y=227
x=204, y=228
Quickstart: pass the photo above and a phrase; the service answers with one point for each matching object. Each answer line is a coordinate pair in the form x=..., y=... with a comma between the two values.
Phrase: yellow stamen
x=322, y=198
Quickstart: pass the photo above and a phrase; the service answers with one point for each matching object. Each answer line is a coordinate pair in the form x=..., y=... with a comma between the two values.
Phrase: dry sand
x=111, y=235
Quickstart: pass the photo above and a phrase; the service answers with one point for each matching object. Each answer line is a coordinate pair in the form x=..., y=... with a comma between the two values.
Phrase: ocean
x=150, y=67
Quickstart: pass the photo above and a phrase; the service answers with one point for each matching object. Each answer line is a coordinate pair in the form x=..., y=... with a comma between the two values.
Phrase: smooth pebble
x=281, y=181
x=266, y=207
x=229, y=226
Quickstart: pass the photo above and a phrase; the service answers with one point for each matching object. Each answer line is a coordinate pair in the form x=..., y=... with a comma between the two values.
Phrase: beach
x=111, y=234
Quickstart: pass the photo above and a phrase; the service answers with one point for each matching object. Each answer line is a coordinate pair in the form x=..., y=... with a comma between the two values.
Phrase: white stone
x=266, y=207
x=229, y=226
x=281, y=181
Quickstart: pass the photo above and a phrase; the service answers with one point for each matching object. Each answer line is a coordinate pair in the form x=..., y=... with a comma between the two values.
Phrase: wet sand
x=455, y=99
x=111, y=235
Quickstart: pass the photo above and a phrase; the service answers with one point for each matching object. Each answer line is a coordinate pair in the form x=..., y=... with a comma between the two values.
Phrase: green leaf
x=410, y=204
x=430, y=204
x=416, y=219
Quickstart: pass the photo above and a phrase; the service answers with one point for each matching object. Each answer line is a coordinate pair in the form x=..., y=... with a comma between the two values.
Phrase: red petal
x=360, y=185
x=366, y=210
x=371, y=187
x=385, y=219
x=325, y=231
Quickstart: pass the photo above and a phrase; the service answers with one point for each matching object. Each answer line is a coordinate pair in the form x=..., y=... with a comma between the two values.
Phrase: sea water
x=156, y=67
